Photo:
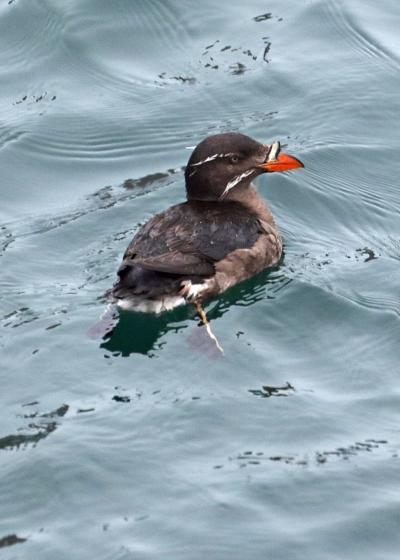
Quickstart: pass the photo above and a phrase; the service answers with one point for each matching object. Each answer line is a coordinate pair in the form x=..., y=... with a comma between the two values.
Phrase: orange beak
x=283, y=162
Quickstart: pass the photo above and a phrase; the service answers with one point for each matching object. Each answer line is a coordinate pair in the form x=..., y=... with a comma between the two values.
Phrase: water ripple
x=8, y=136
x=357, y=37
x=32, y=38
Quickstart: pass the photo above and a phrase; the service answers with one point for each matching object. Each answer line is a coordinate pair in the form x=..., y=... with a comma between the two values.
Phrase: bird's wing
x=175, y=262
x=189, y=238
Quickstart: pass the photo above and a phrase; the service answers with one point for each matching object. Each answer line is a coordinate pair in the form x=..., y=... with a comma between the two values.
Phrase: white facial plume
x=235, y=181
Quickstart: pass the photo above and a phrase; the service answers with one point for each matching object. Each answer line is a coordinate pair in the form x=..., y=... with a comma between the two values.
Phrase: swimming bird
x=223, y=234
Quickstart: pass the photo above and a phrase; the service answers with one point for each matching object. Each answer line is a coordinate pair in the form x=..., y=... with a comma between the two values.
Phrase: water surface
x=144, y=443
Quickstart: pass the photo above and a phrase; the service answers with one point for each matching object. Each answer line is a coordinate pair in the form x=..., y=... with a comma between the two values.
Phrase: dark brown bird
x=223, y=234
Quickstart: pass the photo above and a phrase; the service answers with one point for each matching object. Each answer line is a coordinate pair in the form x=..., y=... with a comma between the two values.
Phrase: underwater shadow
x=141, y=333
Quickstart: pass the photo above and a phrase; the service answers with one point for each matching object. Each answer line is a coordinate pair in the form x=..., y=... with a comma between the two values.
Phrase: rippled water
x=144, y=443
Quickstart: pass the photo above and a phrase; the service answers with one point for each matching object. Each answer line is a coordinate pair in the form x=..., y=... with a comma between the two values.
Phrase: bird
x=221, y=235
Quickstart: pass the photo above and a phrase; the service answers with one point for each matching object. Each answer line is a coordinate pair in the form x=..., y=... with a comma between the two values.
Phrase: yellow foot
x=204, y=320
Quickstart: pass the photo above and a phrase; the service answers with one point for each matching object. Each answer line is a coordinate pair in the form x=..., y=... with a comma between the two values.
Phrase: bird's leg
x=201, y=313
x=192, y=292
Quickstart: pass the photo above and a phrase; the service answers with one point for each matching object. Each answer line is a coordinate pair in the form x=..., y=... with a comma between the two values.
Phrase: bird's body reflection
x=128, y=332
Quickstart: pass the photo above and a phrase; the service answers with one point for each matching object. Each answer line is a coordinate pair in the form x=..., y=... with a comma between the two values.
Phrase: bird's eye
x=234, y=159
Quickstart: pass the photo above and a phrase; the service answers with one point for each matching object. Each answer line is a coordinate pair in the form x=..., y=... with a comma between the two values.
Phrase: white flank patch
x=149, y=305
x=235, y=181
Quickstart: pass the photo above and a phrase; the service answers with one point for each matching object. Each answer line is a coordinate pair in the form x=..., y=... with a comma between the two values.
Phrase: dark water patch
x=26, y=315
x=352, y=450
x=121, y=398
x=225, y=58
x=43, y=425
x=267, y=48
x=10, y=540
x=100, y=200
x=6, y=239
x=140, y=333
x=53, y=326
x=250, y=54
x=212, y=66
x=238, y=68
x=369, y=253
x=31, y=99
x=269, y=391
x=211, y=46
x=189, y=80
x=263, y=17
x=16, y=441
x=149, y=180
x=317, y=458
x=19, y=317
x=57, y=413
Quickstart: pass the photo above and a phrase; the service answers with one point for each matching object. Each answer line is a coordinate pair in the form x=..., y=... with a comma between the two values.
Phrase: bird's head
x=223, y=163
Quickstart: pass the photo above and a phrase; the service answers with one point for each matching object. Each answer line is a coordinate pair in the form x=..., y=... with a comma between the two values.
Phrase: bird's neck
x=250, y=198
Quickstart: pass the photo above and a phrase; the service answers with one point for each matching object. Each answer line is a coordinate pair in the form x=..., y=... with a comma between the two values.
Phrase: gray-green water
x=144, y=444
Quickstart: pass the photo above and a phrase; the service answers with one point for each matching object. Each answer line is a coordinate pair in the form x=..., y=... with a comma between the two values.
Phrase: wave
x=359, y=39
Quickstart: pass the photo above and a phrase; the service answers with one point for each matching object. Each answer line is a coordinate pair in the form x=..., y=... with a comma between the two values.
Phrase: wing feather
x=188, y=238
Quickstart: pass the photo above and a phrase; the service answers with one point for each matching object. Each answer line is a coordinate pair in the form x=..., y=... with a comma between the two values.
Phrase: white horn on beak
x=274, y=151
